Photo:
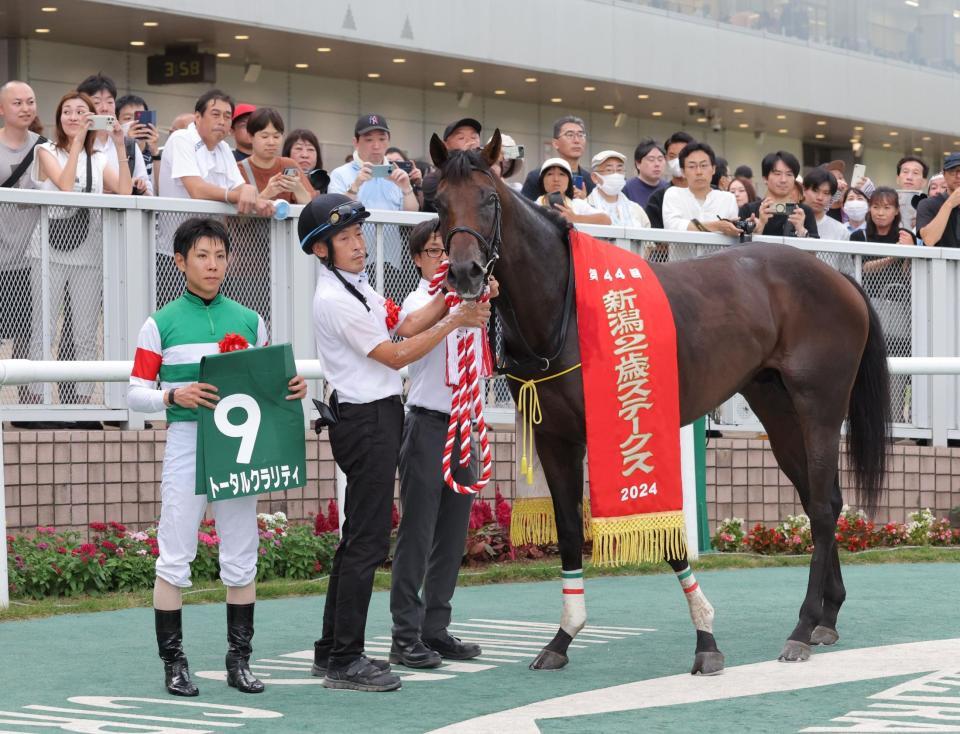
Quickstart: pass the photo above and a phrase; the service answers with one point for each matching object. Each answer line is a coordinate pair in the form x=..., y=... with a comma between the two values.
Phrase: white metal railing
x=133, y=241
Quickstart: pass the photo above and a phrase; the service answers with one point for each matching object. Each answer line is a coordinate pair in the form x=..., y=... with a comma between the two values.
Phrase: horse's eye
x=490, y=200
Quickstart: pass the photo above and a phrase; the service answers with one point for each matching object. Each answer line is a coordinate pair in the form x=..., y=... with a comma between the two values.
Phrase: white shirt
x=680, y=206
x=185, y=154
x=139, y=167
x=622, y=212
x=428, y=375
x=830, y=229
x=346, y=333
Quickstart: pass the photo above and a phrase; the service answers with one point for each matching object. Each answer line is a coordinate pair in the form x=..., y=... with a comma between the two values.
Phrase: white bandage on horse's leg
x=574, y=615
x=701, y=611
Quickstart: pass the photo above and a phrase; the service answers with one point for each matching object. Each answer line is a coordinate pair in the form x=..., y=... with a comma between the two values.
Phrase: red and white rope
x=466, y=401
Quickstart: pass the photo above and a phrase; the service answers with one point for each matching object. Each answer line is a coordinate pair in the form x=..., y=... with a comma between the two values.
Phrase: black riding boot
x=170, y=642
x=239, y=634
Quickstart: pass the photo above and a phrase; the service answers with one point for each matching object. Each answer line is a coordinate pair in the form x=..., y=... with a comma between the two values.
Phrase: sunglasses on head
x=342, y=216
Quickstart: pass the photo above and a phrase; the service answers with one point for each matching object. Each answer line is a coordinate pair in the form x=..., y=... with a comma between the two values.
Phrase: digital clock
x=181, y=68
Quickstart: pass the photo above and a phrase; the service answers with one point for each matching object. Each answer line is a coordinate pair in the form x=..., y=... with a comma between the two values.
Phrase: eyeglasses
x=705, y=166
x=574, y=135
x=433, y=252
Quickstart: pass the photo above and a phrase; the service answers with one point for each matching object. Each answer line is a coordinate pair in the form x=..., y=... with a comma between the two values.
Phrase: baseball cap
x=465, y=122
x=242, y=109
x=369, y=123
x=951, y=161
x=604, y=155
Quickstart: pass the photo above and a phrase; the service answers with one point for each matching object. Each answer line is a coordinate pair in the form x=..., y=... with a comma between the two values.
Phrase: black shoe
x=361, y=675
x=321, y=658
x=239, y=634
x=176, y=671
x=414, y=655
x=453, y=648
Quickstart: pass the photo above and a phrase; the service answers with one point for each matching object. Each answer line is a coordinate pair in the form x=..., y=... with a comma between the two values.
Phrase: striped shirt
x=174, y=340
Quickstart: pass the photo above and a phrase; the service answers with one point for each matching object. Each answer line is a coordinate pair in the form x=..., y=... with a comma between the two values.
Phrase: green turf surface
x=45, y=661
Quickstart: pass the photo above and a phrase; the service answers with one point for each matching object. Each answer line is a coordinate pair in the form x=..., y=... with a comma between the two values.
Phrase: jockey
x=353, y=326
x=170, y=346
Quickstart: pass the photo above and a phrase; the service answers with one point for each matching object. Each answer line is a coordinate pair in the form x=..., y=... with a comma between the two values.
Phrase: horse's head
x=470, y=209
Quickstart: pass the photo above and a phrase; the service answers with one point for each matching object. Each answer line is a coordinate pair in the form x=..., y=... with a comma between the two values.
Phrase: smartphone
x=405, y=166
x=555, y=198
x=146, y=117
x=291, y=171
x=859, y=171
x=577, y=181
x=382, y=171
x=102, y=122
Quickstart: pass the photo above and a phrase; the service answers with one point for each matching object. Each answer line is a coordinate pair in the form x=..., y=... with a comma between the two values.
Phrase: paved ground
x=897, y=667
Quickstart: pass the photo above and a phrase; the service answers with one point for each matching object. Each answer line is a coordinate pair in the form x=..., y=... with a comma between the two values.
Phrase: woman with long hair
x=743, y=190
x=74, y=243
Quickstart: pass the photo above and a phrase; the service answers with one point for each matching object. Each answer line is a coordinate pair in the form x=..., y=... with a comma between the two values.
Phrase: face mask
x=612, y=184
x=674, y=167
x=856, y=210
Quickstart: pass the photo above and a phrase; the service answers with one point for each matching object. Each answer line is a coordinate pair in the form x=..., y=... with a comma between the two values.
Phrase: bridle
x=490, y=246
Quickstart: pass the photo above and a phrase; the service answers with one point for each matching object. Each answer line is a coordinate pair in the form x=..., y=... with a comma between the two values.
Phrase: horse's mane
x=462, y=163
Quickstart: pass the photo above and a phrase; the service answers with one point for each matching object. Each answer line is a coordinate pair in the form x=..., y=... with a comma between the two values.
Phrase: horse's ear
x=438, y=151
x=491, y=151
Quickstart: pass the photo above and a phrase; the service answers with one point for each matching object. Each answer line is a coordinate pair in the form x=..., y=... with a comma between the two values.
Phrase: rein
x=466, y=400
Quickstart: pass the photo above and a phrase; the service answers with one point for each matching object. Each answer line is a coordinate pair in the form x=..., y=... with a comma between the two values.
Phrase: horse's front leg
x=562, y=464
x=708, y=659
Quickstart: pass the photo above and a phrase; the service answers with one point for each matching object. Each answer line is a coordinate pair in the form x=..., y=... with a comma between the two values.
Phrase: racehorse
x=796, y=338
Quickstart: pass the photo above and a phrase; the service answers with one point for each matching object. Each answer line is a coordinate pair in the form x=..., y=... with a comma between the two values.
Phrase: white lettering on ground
x=920, y=703
x=823, y=669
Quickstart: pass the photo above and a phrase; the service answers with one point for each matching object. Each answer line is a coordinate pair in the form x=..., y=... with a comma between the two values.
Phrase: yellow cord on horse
x=528, y=403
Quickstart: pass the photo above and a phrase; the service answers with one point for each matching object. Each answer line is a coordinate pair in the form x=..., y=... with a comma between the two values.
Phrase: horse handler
x=170, y=346
x=433, y=526
x=353, y=325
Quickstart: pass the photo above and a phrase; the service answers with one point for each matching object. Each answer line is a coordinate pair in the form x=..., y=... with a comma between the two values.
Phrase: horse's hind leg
x=773, y=405
x=562, y=464
x=708, y=659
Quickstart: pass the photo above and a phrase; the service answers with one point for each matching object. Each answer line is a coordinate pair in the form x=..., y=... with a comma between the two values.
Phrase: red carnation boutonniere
x=393, y=314
x=233, y=343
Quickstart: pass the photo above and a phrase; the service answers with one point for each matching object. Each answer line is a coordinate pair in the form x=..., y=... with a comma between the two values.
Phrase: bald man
x=18, y=110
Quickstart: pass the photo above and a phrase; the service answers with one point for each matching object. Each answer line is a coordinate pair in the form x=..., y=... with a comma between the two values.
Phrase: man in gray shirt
x=18, y=109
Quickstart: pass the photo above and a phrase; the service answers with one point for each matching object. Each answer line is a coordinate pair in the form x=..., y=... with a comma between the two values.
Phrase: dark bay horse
x=799, y=340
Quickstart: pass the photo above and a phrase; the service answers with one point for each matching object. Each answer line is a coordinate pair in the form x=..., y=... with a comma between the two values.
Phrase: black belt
x=431, y=413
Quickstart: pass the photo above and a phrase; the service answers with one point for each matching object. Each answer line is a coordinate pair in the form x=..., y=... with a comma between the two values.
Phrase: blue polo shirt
x=377, y=193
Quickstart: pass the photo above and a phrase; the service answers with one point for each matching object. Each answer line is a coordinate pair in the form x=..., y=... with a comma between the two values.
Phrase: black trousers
x=366, y=445
x=433, y=528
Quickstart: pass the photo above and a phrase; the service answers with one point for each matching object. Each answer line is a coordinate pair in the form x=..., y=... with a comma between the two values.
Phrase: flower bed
x=854, y=532
x=48, y=562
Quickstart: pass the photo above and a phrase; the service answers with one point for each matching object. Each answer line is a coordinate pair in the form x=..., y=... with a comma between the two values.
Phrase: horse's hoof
x=794, y=652
x=824, y=636
x=549, y=660
x=708, y=663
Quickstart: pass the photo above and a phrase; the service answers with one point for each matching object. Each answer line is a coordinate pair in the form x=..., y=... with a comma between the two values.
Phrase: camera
x=102, y=122
x=746, y=227
x=784, y=208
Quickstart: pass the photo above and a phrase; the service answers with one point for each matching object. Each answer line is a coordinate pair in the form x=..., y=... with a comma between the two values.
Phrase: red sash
x=628, y=348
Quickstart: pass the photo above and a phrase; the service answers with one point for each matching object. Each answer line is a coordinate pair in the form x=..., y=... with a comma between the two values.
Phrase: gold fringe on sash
x=532, y=521
x=639, y=538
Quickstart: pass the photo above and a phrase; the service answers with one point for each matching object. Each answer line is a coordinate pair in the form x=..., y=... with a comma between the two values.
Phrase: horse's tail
x=868, y=428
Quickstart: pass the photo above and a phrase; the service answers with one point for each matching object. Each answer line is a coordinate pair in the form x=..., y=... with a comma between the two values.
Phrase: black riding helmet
x=326, y=215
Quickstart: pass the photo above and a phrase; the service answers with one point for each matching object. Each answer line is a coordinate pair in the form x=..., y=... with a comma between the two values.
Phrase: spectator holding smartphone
x=304, y=148
x=556, y=192
x=779, y=214
x=140, y=123
x=938, y=217
x=102, y=90
x=570, y=142
x=400, y=159
x=369, y=178
x=274, y=176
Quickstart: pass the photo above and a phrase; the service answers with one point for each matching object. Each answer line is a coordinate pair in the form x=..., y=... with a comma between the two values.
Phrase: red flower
x=396, y=516
x=98, y=527
x=62, y=551
x=233, y=343
x=118, y=527
x=503, y=511
x=107, y=545
x=333, y=516
x=154, y=550
x=393, y=314
x=88, y=549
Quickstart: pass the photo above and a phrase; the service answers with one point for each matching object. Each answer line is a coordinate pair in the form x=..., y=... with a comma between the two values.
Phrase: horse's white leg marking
x=701, y=611
x=574, y=615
